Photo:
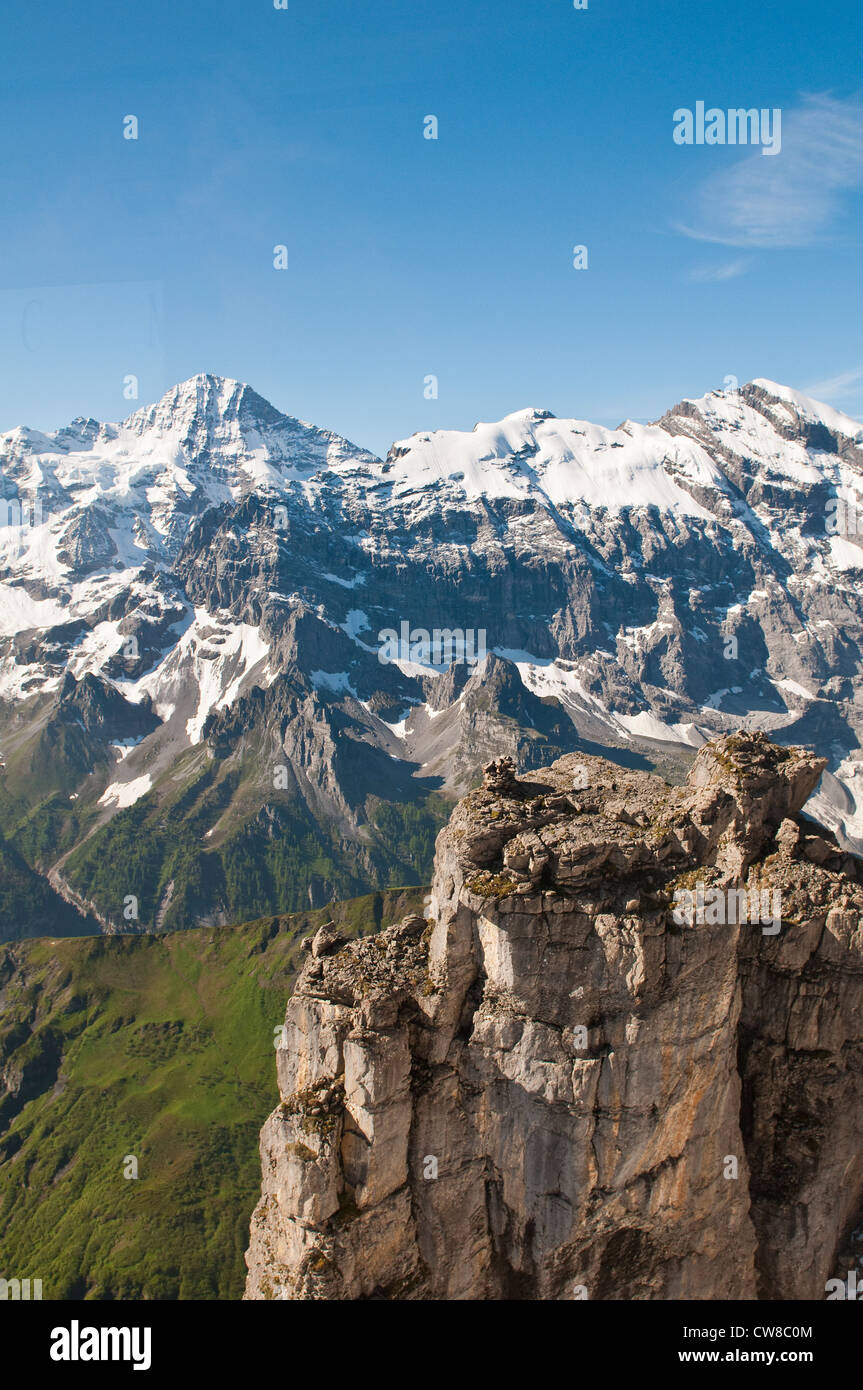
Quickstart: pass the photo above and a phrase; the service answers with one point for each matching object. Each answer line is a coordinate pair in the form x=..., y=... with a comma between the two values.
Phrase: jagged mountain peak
x=205, y=397
x=202, y=422
x=784, y=407
x=809, y=409
x=215, y=419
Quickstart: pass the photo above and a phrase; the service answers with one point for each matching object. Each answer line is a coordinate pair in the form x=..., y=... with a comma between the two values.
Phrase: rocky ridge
x=556, y=1086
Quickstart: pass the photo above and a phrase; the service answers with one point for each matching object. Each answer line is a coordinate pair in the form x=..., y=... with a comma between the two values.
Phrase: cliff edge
x=622, y=1059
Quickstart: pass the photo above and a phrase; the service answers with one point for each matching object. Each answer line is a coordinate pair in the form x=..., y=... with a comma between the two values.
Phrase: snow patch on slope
x=212, y=661
x=122, y=794
x=19, y=612
x=838, y=801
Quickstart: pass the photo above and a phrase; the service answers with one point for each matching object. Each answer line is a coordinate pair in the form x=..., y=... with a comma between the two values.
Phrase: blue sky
x=410, y=257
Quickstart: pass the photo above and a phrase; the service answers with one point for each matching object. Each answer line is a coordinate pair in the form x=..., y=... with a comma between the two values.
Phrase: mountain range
x=201, y=721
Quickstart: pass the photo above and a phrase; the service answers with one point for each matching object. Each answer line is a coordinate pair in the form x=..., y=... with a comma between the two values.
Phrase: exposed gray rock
x=555, y=1088
x=326, y=940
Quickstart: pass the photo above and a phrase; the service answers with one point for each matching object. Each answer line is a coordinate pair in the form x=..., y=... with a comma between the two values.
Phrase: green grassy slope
x=262, y=859
x=161, y=1047
x=213, y=839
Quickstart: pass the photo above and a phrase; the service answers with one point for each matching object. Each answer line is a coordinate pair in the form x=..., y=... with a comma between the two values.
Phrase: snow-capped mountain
x=193, y=603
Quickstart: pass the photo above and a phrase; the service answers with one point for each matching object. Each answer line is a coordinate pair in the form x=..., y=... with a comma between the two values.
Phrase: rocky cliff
x=622, y=1059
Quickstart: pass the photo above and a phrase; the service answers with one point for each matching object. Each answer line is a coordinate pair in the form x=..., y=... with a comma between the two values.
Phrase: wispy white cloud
x=709, y=274
x=836, y=386
x=791, y=199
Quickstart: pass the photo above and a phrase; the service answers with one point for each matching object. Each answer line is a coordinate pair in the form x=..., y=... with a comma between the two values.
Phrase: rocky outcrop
x=622, y=1059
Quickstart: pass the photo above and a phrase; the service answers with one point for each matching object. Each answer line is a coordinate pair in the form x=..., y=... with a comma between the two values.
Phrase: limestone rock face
x=566, y=1084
